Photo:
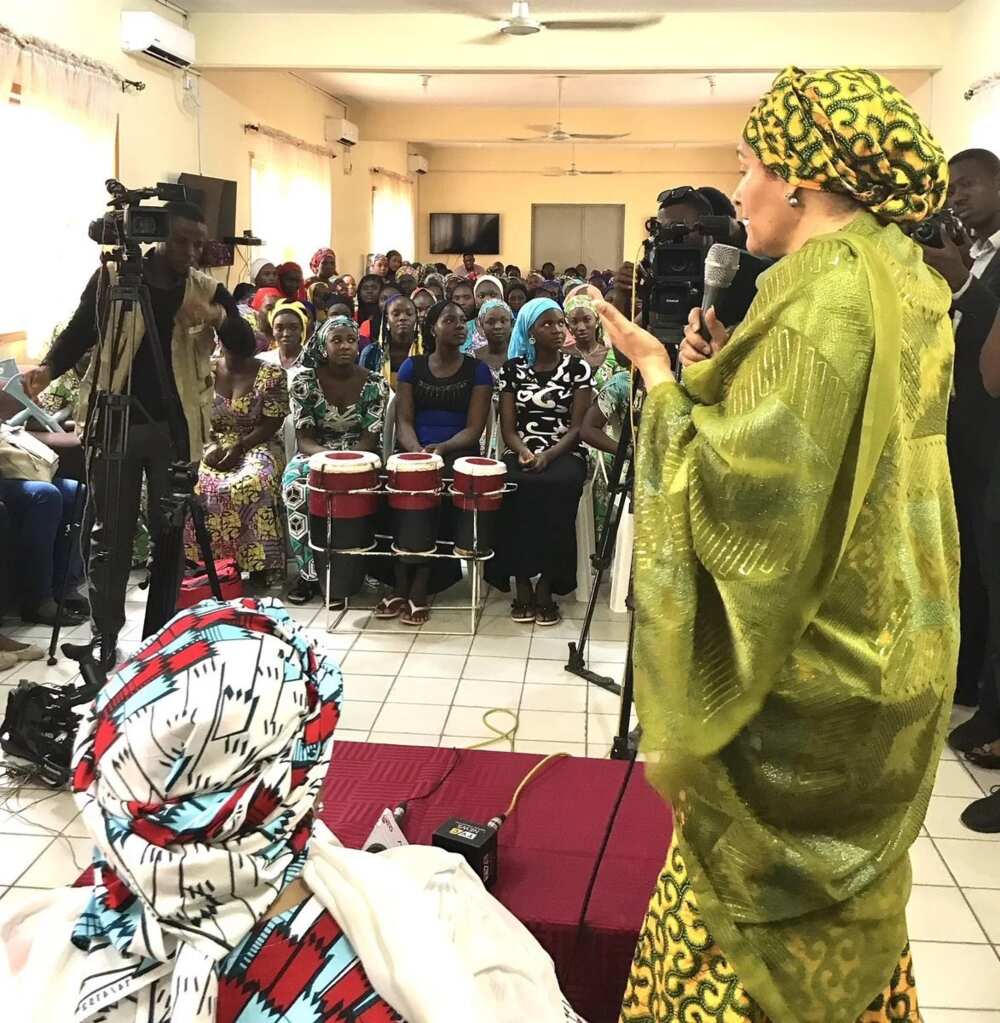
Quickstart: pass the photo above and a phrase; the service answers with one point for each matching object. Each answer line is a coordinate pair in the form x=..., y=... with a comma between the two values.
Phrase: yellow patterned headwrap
x=850, y=131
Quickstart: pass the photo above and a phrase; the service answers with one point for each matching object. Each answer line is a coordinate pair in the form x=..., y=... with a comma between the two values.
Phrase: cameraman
x=682, y=205
x=187, y=305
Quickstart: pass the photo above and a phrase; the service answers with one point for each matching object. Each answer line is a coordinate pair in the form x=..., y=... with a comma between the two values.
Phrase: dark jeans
x=147, y=452
x=40, y=514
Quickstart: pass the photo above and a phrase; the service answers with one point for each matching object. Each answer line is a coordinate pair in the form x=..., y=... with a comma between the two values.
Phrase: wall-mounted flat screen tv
x=455, y=233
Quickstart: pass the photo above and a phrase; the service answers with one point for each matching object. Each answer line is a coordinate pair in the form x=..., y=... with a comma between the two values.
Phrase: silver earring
x=792, y=199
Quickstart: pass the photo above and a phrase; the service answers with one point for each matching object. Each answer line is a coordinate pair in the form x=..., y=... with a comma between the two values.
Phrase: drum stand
x=385, y=548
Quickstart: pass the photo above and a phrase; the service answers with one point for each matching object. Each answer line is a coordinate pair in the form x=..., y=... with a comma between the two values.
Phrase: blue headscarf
x=521, y=345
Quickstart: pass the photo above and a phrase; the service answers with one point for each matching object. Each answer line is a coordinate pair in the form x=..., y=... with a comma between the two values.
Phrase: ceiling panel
x=545, y=8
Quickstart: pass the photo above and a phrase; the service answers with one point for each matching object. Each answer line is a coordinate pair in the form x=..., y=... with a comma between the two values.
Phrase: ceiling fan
x=558, y=134
x=521, y=23
x=571, y=171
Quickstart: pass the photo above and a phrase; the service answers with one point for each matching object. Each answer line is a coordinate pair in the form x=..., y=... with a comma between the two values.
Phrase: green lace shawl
x=796, y=587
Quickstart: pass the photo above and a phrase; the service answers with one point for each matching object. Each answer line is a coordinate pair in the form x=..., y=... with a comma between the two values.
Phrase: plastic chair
x=586, y=542
x=389, y=428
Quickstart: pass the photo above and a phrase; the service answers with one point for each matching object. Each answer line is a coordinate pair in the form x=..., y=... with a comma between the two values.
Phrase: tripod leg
x=622, y=748
x=197, y=514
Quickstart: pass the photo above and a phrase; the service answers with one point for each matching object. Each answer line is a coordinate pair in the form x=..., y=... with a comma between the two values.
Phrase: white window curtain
x=392, y=215
x=290, y=200
x=58, y=133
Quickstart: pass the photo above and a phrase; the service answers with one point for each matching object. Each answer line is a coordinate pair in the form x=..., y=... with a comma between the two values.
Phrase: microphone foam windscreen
x=721, y=265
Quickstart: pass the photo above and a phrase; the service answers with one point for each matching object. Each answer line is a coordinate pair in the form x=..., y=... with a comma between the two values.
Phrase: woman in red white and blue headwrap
x=198, y=767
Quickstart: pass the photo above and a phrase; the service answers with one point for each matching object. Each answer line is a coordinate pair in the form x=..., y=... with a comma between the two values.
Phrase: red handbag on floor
x=196, y=586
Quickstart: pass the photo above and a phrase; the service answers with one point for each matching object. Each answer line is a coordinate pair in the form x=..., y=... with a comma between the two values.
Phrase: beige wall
x=974, y=53
x=491, y=180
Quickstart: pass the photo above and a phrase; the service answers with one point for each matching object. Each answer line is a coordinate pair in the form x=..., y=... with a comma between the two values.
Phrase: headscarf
x=287, y=268
x=196, y=769
x=256, y=266
x=263, y=294
x=285, y=306
x=850, y=131
x=376, y=256
x=317, y=259
x=521, y=344
x=478, y=339
x=314, y=353
x=584, y=301
x=482, y=280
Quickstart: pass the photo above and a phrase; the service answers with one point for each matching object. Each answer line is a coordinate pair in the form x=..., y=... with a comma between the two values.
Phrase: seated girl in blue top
x=442, y=405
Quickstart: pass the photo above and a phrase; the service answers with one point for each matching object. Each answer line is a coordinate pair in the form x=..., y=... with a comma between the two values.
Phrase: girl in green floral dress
x=336, y=405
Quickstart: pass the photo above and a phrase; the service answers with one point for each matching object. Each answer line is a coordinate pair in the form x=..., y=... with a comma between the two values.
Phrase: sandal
x=548, y=614
x=303, y=591
x=390, y=607
x=983, y=756
x=415, y=615
x=522, y=612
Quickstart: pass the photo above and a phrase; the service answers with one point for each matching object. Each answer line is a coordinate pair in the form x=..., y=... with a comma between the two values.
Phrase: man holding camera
x=187, y=306
x=971, y=266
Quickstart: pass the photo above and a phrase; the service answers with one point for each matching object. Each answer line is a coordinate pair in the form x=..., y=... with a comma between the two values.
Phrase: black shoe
x=79, y=651
x=77, y=603
x=303, y=591
x=979, y=730
x=984, y=814
x=47, y=612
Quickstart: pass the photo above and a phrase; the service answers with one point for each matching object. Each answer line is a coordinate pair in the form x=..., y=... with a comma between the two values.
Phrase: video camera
x=673, y=266
x=128, y=222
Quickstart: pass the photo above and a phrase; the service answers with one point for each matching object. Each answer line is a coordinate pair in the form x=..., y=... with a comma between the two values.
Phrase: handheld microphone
x=721, y=266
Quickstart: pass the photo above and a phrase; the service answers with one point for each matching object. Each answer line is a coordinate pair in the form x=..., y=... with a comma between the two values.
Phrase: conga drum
x=343, y=500
x=477, y=493
x=415, y=500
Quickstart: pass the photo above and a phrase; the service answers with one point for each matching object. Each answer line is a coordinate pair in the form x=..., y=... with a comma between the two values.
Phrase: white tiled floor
x=405, y=687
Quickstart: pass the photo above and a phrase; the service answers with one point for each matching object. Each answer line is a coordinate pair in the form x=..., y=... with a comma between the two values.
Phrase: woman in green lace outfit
x=336, y=405
x=796, y=579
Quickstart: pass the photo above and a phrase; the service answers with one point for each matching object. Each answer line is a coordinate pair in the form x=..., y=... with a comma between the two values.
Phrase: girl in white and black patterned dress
x=545, y=394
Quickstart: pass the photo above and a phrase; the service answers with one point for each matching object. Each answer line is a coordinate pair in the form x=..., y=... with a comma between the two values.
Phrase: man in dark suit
x=974, y=448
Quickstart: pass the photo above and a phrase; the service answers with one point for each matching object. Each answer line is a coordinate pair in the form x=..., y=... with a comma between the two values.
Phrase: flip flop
x=522, y=612
x=548, y=614
x=390, y=607
x=412, y=615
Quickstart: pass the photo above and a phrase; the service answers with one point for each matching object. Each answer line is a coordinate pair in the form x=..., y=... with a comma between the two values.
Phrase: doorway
x=571, y=233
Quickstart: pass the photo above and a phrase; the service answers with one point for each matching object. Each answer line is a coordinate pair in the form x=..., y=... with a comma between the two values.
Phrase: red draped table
x=551, y=850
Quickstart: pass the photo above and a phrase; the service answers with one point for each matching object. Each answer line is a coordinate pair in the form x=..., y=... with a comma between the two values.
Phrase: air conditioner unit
x=417, y=164
x=339, y=129
x=145, y=34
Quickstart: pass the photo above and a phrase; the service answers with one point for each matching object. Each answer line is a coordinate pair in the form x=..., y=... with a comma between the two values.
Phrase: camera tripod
x=620, y=482
x=106, y=437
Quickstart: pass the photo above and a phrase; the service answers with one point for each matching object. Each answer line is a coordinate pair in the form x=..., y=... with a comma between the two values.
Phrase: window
x=392, y=215
x=57, y=121
x=290, y=206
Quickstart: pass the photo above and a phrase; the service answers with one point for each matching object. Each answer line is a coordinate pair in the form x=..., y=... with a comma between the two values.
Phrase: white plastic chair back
x=389, y=428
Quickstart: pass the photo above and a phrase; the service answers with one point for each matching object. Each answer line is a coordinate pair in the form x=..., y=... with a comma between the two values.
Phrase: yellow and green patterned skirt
x=679, y=974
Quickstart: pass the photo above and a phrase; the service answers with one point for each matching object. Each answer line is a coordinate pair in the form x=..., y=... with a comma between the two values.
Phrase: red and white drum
x=343, y=500
x=415, y=500
x=477, y=494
